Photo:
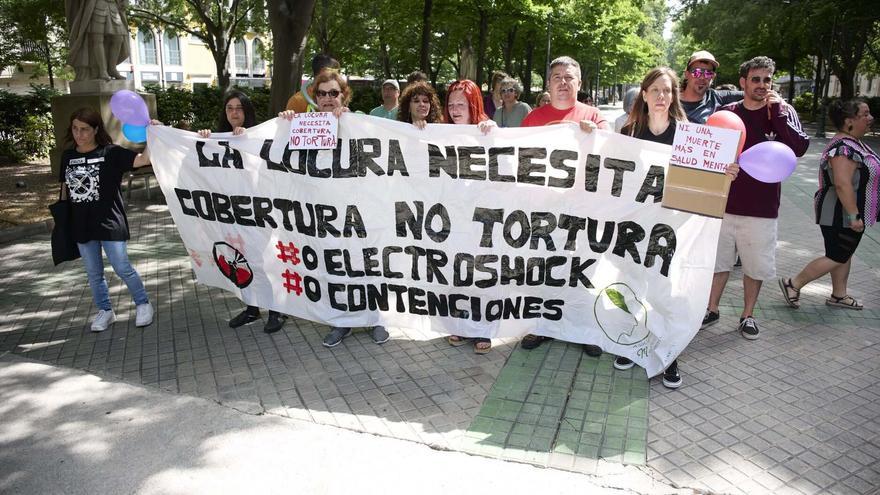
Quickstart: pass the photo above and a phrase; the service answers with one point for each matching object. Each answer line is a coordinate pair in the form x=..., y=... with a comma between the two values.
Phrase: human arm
x=486, y=126
x=842, y=170
x=786, y=124
x=143, y=158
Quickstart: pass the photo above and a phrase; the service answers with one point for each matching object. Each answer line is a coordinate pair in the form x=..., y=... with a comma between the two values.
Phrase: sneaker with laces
x=103, y=319
x=143, y=315
x=748, y=327
x=622, y=363
x=379, y=334
x=245, y=317
x=335, y=336
x=710, y=319
x=671, y=377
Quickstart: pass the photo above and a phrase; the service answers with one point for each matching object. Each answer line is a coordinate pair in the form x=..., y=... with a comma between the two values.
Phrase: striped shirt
x=865, y=183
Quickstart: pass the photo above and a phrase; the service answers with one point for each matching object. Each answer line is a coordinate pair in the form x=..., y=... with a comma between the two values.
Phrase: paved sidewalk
x=797, y=411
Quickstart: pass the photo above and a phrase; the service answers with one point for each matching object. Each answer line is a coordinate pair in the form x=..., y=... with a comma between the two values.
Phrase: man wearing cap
x=698, y=99
x=390, y=94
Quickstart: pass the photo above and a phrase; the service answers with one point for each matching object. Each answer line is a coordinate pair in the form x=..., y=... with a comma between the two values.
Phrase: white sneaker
x=103, y=320
x=143, y=315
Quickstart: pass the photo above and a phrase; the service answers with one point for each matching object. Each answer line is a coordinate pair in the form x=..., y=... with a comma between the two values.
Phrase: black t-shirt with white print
x=94, y=180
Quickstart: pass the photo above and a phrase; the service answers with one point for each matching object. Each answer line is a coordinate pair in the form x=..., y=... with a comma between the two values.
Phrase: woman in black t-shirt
x=237, y=115
x=653, y=118
x=92, y=172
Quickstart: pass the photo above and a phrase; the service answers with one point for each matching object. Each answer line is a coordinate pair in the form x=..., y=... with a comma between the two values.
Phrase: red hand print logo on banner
x=233, y=265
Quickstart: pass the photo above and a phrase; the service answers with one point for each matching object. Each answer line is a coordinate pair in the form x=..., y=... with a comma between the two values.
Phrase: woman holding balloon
x=237, y=115
x=846, y=203
x=91, y=172
x=654, y=116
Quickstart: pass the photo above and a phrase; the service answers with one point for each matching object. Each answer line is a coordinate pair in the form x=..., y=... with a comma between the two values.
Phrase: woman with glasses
x=654, y=116
x=237, y=115
x=332, y=93
x=512, y=111
x=846, y=203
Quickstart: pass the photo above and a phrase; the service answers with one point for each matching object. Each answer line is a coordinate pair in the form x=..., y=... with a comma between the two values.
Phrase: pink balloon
x=770, y=161
x=129, y=108
x=729, y=120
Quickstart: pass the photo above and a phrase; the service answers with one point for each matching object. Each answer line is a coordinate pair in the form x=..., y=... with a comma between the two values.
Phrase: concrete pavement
x=797, y=411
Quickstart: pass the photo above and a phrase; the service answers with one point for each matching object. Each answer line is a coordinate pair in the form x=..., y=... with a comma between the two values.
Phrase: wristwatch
x=849, y=218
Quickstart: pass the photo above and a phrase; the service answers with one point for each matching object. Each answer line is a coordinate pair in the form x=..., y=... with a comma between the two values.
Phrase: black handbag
x=64, y=248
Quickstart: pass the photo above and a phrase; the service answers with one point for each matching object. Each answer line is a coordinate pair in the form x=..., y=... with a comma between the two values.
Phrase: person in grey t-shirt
x=512, y=111
x=698, y=99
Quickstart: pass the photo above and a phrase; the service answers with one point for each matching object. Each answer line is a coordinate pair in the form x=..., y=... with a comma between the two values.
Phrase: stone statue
x=99, y=38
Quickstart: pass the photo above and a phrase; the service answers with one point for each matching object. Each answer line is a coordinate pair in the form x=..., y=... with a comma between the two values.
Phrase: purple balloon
x=129, y=108
x=770, y=161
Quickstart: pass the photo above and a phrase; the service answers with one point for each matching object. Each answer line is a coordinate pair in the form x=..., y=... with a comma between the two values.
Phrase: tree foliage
x=214, y=22
x=836, y=32
x=33, y=31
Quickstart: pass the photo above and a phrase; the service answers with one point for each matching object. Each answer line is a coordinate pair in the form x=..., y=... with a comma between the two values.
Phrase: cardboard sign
x=703, y=147
x=313, y=131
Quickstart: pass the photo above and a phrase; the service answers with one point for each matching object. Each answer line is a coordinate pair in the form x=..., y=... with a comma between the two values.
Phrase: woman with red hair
x=464, y=106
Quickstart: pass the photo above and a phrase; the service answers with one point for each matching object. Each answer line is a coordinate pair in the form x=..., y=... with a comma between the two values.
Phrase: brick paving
x=797, y=411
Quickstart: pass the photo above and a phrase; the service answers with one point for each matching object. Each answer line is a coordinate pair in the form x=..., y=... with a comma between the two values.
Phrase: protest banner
x=547, y=230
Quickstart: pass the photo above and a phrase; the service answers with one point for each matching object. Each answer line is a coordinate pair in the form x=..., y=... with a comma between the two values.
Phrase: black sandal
x=847, y=302
x=792, y=301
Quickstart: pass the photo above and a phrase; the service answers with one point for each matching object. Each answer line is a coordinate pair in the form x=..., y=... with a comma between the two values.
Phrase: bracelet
x=848, y=218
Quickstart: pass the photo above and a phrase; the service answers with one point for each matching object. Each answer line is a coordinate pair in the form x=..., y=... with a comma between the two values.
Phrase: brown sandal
x=792, y=301
x=456, y=340
x=482, y=345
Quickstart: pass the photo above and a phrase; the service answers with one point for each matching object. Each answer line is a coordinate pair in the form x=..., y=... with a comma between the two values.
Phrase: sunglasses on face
x=508, y=90
x=702, y=73
x=333, y=93
x=758, y=80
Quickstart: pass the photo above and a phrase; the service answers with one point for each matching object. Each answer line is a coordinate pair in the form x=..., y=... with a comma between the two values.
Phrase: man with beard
x=698, y=99
x=749, y=223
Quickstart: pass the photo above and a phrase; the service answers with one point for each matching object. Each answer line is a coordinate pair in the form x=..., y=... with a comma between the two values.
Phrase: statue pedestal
x=94, y=94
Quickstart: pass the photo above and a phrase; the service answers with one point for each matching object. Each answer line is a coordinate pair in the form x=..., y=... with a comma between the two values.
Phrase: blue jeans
x=118, y=256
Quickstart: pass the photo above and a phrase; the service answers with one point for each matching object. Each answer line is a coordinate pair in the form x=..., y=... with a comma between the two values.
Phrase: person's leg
x=839, y=278
x=96, y=42
x=751, y=289
x=94, y=265
x=117, y=253
x=719, y=281
x=815, y=269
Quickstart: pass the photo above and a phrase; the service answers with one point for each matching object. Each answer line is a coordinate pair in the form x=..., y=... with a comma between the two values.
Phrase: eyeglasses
x=235, y=109
x=508, y=90
x=333, y=93
x=758, y=80
x=701, y=73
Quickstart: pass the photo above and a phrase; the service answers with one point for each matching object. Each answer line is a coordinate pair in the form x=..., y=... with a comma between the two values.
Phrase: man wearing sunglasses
x=698, y=98
x=749, y=223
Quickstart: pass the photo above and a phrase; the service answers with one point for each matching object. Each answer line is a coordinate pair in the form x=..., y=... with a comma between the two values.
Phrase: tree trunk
x=793, y=61
x=323, y=32
x=48, y=51
x=508, y=50
x=425, y=51
x=289, y=21
x=482, y=40
x=222, y=70
x=527, y=72
x=817, y=83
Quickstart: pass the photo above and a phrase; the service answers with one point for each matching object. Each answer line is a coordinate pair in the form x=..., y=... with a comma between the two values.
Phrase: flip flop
x=482, y=349
x=456, y=340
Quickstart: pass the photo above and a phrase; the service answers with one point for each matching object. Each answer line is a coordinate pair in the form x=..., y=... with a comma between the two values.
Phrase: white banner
x=547, y=230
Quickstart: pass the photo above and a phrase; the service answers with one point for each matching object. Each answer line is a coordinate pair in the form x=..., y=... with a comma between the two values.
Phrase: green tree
x=214, y=22
x=33, y=31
